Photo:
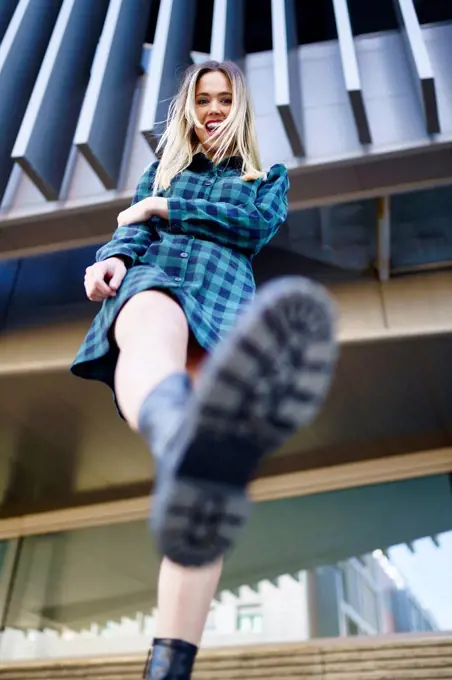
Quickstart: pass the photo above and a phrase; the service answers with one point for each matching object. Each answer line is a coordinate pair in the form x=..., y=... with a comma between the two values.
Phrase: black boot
x=265, y=381
x=162, y=411
x=170, y=660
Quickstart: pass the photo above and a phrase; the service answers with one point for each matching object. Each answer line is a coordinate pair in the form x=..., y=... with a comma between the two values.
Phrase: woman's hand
x=103, y=279
x=144, y=210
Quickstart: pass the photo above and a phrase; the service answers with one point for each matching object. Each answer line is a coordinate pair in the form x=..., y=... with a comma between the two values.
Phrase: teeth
x=213, y=126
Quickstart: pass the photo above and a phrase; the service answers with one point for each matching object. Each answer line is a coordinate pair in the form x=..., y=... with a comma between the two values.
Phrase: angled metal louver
x=286, y=67
x=45, y=137
x=21, y=52
x=7, y=8
x=104, y=119
x=170, y=56
x=227, y=41
x=420, y=62
x=351, y=70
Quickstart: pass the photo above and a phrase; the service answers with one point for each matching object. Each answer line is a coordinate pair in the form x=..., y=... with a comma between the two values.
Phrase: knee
x=150, y=313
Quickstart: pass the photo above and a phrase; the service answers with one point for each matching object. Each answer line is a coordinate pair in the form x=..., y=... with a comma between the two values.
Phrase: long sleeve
x=248, y=227
x=131, y=241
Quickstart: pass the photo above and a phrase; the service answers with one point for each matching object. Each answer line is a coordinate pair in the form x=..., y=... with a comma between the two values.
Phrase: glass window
x=9, y=555
x=249, y=618
x=76, y=591
x=92, y=591
x=421, y=229
x=351, y=627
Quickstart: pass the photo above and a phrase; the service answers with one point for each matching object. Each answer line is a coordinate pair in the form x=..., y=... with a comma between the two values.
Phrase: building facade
x=354, y=598
x=355, y=98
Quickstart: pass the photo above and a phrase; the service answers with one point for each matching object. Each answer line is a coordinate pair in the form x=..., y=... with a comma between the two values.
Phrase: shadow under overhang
x=62, y=444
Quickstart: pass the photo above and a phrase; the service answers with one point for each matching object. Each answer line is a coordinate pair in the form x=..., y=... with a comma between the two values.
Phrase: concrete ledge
x=274, y=487
x=381, y=658
x=368, y=310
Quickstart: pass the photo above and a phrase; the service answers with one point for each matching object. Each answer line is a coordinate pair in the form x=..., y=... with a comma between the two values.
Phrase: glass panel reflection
x=92, y=591
x=8, y=561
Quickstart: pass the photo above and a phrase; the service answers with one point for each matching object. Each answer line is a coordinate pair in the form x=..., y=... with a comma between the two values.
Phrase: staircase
x=394, y=658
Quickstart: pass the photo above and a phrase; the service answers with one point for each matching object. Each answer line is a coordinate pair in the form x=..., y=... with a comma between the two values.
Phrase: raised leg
x=267, y=379
x=152, y=334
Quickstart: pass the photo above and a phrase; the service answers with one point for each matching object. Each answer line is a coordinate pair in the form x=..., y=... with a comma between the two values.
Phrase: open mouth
x=212, y=126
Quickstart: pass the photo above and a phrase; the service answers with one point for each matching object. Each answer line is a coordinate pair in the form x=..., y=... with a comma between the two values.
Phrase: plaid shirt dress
x=201, y=255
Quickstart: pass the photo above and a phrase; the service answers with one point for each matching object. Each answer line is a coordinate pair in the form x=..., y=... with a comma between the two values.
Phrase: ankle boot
x=170, y=660
x=162, y=411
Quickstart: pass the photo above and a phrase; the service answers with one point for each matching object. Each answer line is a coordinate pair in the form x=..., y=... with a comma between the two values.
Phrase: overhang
x=368, y=94
x=372, y=471
x=63, y=445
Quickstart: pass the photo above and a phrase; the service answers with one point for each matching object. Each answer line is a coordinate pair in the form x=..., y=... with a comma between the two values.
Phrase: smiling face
x=213, y=102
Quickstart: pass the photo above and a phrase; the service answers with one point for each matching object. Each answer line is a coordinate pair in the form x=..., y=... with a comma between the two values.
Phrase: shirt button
x=184, y=254
x=178, y=279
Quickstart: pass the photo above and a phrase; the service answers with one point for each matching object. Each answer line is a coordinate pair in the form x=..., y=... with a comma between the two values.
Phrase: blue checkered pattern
x=201, y=255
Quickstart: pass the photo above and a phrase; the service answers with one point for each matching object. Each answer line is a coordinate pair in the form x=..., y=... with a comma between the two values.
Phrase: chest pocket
x=233, y=190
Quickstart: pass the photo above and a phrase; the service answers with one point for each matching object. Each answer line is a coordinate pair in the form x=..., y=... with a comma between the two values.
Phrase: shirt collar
x=201, y=162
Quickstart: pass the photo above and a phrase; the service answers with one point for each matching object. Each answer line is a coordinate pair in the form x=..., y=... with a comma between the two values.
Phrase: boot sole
x=266, y=381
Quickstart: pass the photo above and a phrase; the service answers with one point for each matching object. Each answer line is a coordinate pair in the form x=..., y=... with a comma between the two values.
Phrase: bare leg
x=191, y=591
x=152, y=335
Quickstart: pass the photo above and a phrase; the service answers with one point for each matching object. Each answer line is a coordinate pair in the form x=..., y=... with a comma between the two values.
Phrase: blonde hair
x=236, y=135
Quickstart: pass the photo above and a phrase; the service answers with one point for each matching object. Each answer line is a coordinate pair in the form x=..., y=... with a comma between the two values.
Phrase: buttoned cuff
x=124, y=254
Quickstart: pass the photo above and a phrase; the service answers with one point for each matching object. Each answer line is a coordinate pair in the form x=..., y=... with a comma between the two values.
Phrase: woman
x=176, y=278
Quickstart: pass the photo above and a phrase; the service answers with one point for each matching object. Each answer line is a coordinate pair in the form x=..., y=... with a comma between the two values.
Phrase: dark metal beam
x=287, y=73
x=7, y=8
x=350, y=69
x=21, y=52
x=228, y=31
x=420, y=62
x=45, y=137
x=170, y=56
x=108, y=101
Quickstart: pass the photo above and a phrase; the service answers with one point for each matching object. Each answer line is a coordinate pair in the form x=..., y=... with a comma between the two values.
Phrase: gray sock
x=162, y=411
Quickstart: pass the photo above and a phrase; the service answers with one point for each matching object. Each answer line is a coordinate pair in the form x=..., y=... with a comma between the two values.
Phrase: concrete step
x=395, y=658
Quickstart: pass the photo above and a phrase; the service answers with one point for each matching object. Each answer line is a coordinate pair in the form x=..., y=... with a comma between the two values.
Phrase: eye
x=227, y=100
x=202, y=102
